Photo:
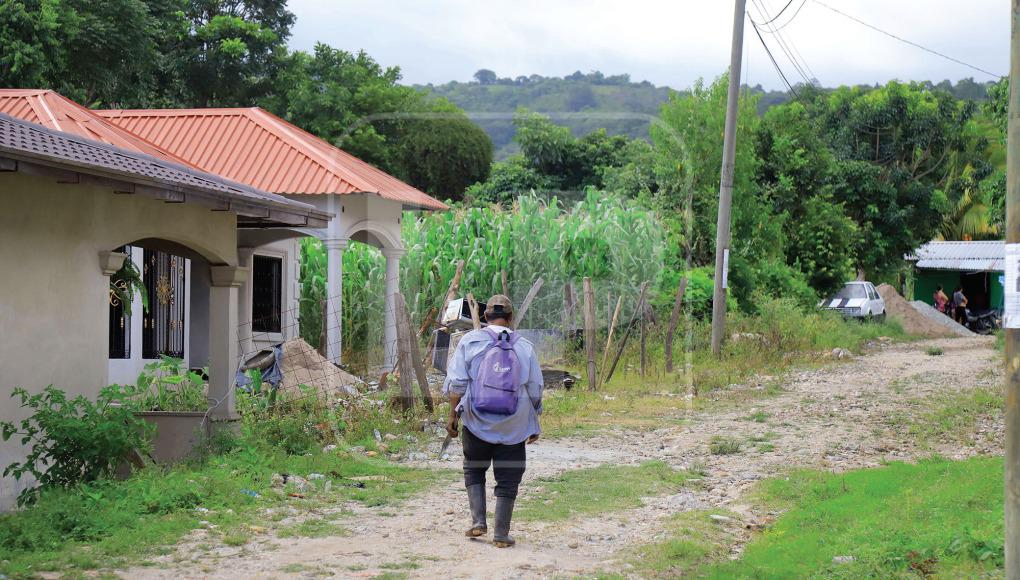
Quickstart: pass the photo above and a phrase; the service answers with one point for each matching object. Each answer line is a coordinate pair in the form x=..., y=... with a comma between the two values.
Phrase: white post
x=223, y=338
x=393, y=256
x=244, y=306
x=334, y=296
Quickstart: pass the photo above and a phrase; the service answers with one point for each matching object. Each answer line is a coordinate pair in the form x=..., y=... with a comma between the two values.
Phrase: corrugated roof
x=986, y=256
x=34, y=144
x=253, y=146
x=55, y=111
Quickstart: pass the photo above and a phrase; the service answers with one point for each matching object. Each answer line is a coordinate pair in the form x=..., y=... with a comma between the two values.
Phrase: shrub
x=166, y=385
x=720, y=445
x=74, y=440
x=933, y=351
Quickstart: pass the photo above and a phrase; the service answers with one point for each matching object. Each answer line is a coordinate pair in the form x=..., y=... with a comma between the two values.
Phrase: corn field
x=615, y=242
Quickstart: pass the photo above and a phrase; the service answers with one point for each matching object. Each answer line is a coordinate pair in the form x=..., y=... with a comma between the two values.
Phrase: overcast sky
x=667, y=42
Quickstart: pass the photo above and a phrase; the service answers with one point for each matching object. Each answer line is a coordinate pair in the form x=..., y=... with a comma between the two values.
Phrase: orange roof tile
x=253, y=146
x=55, y=111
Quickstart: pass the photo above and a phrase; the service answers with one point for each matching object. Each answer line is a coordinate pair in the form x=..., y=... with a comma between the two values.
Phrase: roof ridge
x=310, y=151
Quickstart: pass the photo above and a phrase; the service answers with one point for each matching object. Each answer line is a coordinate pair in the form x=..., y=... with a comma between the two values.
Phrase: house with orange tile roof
x=209, y=205
x=255, y=147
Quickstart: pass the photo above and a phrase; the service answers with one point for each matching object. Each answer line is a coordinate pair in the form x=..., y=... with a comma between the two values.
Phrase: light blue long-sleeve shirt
x=490, y=427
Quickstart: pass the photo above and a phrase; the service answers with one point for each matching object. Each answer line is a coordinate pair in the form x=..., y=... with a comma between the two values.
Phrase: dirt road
x=847, y=415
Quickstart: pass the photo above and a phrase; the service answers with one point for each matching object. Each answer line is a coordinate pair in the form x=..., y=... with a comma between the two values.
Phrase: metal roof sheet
x=28, y=142
x=55, y=111
x=985, y=256
x=253, y=146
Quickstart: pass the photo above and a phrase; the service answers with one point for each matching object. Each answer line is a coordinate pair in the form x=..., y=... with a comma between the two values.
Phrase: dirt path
x=837, y=417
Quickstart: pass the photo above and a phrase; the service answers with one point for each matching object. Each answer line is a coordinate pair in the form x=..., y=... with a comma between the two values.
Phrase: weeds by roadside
x=597, y=489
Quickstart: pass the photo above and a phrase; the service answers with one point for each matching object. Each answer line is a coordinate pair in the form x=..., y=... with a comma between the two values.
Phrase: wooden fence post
x=523, y=310
x=674, y=320
x=506, y=287
x=609, y=340
x=644, y=337
x=589, y=331
x=408, y=343
x=626, y=335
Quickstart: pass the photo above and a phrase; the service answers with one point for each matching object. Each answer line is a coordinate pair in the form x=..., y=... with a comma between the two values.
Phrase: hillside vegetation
x=586, y=102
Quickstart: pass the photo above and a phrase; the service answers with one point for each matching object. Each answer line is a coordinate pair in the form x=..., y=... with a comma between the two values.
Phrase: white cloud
x=669, y=43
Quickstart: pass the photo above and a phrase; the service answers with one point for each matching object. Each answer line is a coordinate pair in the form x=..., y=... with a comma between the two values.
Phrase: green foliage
x=110, y=524
x=936, y=517
x=72, y=440
x=612, y=240
x=127, y=282
x=722, y=445
x=167, y=385
x=509, y=180
x=294, y=423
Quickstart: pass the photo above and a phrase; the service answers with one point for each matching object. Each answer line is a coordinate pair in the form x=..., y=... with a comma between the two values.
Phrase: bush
x=74, y=440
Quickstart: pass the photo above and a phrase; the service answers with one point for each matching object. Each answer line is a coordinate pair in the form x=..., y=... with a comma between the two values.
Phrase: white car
x=857, y=300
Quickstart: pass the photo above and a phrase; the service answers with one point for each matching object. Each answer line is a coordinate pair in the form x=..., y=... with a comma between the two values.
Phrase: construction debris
x=303, y=365
x=912, y=321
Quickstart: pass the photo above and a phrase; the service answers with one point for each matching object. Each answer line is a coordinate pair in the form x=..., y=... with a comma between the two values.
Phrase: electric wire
x=911, y=43
x=782, y=46
x=773, y=59
x=773, y=19
x=788, y=42
x=794, y=17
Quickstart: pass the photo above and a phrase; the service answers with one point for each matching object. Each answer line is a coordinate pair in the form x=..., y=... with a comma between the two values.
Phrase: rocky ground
x=850, y=414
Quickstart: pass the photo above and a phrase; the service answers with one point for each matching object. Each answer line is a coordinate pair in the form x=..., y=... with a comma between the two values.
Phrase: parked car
x=857, y=300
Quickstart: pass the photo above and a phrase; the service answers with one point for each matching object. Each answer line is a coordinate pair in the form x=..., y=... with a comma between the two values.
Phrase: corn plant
x=613, y=241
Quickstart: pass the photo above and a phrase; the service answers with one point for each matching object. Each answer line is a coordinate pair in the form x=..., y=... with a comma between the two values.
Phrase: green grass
x=954, y=416
x=586, y=492
x=935, y=517
x=758, y=417
x=314, y=528
x=934, y=351
x=721, y=445
x=695, y=539
x=110, y=524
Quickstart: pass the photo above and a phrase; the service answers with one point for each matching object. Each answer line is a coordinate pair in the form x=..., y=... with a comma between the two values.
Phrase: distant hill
x=586, y=102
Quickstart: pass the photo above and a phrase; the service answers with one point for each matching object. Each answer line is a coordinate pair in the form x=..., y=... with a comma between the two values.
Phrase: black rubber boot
x=476, y=499
x=504, y=512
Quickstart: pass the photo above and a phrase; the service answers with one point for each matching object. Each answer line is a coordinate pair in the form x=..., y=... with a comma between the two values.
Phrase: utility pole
x=1012, y=495
x=722, y=228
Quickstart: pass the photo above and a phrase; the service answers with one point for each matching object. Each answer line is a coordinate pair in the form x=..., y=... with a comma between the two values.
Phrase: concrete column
x=334, y=296
x=223, y=338
x=393, y=256
x=245, y=332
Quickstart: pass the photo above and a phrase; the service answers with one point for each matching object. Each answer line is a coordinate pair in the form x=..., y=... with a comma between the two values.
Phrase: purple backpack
x=494, y=390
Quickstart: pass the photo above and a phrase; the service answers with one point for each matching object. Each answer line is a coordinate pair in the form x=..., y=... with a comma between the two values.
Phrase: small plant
x=933, y=351
x=124, y=284
x=720, y=445
x=166, y=385
x=758, y=417
x=73, y=440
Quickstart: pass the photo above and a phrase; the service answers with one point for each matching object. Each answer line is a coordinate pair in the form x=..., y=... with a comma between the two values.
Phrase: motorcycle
x=985, y=323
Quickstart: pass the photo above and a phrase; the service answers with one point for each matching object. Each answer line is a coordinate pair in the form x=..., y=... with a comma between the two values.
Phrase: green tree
x=30, y=34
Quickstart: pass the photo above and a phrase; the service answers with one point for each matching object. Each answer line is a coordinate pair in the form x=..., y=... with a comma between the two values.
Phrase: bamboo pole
x=674, y=320
x=589, y=332
x=476, y=321
x=626, y=335
x=609, y=340
x=409, y=342
x=523, y=310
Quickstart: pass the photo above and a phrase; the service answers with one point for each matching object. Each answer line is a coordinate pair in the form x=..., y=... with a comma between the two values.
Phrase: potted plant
x=174, y=400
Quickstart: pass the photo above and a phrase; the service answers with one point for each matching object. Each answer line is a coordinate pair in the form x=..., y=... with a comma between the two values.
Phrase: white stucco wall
x=53, y=296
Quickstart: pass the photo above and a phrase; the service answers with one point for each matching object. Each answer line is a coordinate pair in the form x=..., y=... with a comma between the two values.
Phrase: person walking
x=495, y=387
x=941, y=300
x=959, y=306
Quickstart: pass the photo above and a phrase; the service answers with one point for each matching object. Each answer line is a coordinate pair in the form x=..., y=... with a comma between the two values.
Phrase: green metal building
x=977, y=267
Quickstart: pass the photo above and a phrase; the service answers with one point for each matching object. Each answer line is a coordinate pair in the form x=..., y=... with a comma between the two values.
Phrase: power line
x=794, y=17
x=773, y=59
x=773, y=19
x=904, y=40
x=793, y=48
x=782, y=46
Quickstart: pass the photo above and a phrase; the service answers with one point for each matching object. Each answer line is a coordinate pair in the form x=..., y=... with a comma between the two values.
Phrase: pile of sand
x=909, y=318
x=303, y=365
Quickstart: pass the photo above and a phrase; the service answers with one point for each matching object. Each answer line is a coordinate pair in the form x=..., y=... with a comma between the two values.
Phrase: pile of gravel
x=929, y=311
x=912, y=321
